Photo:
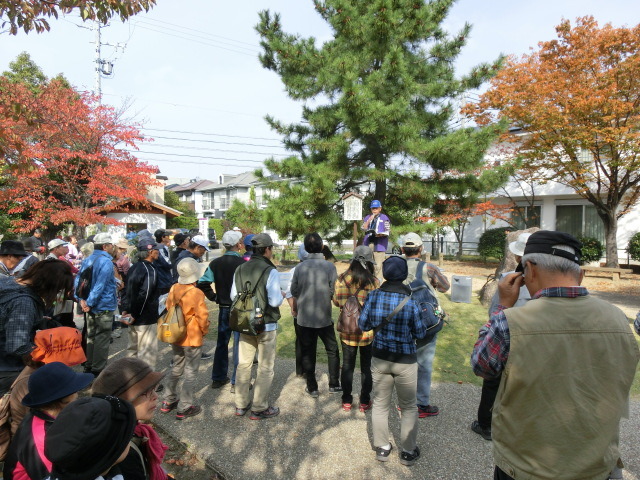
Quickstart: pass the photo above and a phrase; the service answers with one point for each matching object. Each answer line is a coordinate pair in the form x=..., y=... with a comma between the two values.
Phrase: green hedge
x=592, y=249
x=492, y=242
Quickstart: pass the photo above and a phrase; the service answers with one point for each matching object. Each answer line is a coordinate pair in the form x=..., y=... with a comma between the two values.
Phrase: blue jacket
x=102, y=296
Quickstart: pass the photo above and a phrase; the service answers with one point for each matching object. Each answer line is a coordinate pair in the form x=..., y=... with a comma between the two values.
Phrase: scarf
x=154, y=449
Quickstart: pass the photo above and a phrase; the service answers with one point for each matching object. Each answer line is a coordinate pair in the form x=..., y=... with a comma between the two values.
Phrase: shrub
x=492, y=242
x=634, y=246
x=592, y=249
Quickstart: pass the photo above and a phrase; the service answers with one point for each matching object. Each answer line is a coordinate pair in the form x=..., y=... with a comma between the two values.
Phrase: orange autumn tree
x=578, y=97
x=65, y=157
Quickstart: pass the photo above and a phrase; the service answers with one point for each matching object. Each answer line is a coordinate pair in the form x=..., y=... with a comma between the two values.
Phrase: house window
x=527, y=216
x=579, y=220
x=207, y=201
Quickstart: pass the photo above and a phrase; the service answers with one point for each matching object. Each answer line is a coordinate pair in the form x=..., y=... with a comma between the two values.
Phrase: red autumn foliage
x=65, y=158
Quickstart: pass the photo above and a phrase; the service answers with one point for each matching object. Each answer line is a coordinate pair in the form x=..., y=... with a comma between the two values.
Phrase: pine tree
x=383, y=91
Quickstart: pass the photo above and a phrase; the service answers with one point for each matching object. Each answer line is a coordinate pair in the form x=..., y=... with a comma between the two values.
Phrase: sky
x=189, y=72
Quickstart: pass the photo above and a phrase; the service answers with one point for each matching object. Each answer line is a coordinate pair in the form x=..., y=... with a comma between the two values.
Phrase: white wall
x=154, y=221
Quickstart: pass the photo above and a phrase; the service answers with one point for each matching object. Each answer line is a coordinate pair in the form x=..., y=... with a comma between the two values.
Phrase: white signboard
x=203, y=226
x=352, y=209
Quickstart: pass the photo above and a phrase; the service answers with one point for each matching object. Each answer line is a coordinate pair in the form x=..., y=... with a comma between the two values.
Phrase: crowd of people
x=546, y=344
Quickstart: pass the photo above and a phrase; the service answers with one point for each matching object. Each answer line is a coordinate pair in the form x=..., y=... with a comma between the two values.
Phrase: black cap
x=544, y=241
x=89, y=436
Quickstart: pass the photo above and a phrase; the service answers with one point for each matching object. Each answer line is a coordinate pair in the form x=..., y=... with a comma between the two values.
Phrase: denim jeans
x=426, y=351
x=221, y=356
x=348, y=366
x=309, y=339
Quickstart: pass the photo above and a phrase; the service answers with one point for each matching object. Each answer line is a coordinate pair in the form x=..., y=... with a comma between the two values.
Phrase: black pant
x=487, y=397
x=348, y=366
x=296, y=327
x=309, y=340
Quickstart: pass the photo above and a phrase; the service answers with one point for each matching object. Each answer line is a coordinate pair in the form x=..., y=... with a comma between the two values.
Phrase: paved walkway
x=315, y=439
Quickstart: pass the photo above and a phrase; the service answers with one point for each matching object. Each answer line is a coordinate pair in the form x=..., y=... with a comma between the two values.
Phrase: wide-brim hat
x=88, y=436
x=126, y=378
x=52, y=382
x=123, y=243
x=102, y=239
x=188, y=271
x=56, y=242
x=517, y=247
x=13, y=247
x=59, y=344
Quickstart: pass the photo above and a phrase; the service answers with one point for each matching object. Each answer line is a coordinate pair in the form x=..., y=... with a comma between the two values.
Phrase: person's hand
x=509, y=289
x=83, y=305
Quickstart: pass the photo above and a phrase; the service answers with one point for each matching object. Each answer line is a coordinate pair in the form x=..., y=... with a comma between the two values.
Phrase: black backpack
x=432, y=315
x=84, y=283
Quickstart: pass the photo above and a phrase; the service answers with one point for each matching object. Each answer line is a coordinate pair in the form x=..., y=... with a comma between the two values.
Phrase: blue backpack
x=432, y=315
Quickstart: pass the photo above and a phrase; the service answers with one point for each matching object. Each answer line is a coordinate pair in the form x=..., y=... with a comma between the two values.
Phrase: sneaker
x=483, y=432
x=382, y=455
x=346, y=406
x=219, y=383
x=314, y=394
x=268, y=413
x=189, y=412
x=364, y=406
x=427, y=411
x=205, y=356
x=171, y=364
x=241, y=411
x=167, y=407
x=337, y=389
x=409, y=458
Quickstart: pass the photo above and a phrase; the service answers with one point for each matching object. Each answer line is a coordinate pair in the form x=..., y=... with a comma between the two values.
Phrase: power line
x=210, y=134
x=196, y=41
x=252, y=50
x=199, y=31
x=209, y=149
x=213, y=164
x=218, y=141
x=237, y=160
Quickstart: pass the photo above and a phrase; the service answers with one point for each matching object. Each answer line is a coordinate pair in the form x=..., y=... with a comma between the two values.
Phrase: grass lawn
x=455, y=341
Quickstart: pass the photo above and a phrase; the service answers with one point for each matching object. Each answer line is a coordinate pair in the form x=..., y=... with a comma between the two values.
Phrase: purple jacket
x=382, y=226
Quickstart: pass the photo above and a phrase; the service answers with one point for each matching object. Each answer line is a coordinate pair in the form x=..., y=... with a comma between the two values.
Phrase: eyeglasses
x=150, y=393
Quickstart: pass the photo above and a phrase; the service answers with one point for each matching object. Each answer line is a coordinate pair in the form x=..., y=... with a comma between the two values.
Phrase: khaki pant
x=265, y=343
x=404, y=377
x=379, y=257
x=143, y=343
x=186, y=361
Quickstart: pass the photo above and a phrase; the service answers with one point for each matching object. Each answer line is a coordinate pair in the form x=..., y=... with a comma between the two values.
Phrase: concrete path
x=315, y=439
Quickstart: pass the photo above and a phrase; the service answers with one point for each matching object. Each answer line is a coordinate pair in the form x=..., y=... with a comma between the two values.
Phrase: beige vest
x=564, y=389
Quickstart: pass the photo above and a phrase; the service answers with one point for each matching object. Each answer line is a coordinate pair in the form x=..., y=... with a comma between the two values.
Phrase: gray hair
x=553, y=263
x=144, y=254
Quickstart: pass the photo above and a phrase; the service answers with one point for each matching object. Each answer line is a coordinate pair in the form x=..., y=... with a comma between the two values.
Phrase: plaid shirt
x=491, y=351
x=344, y=289
x=399, y=334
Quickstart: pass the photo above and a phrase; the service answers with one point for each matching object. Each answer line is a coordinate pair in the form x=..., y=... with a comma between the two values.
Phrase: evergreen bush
x=592, y=249
x=492, y=242
x=634, y=246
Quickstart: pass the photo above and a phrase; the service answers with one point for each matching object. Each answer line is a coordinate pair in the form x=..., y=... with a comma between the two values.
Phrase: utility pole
x=103, y=67
x=97, y=89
